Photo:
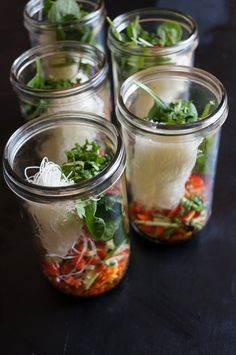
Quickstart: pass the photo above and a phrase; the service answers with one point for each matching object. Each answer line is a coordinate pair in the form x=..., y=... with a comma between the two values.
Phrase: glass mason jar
x=80, y=229
x=88, y=29
x=171, y=168
x=128, y=59
x=84, y=67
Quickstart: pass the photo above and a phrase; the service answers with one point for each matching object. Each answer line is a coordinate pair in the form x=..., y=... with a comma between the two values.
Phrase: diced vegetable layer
x=178, y=224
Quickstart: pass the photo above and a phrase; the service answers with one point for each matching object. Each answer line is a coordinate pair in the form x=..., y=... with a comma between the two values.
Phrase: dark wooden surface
x=178, y=300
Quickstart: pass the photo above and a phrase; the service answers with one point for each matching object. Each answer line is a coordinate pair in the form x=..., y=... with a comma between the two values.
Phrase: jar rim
x=120, y=20
x=30, y=22
x=211, y=122
x=88, y=187
x=31, y=54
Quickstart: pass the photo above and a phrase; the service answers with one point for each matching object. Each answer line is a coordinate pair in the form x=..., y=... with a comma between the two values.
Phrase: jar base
x=163, y=241
x=98, y=288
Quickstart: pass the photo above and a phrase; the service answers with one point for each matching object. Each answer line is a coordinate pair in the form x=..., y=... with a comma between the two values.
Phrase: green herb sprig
x=102, y=216
x=85, y=162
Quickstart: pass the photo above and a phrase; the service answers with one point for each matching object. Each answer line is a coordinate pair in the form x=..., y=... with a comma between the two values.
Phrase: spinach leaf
x=103, y=218
x=119, y=235
x=95, y=225
x=63, y=12
x=103, y=222
x=111, y=203
x=60, y=11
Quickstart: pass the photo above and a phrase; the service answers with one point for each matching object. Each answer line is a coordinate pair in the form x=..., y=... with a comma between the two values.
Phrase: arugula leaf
x=178, y=112
x=158, y=101
x=49, y=83
x=38, y=79
x=167, y=33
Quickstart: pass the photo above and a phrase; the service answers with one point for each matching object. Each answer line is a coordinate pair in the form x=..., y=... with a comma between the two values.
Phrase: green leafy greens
x=134, y=36
x=40, y=82
x=66, y=14
x=84, y=162
x=181, y=112
x=175, y=113
x=102, y=216
x=167, y=33
x=59, y=11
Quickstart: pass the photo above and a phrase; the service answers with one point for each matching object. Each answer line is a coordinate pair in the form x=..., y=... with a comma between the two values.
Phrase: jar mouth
x=86, y=51
x=215, y=119
x=89, y=187
x=35, y=6
x=149, y=14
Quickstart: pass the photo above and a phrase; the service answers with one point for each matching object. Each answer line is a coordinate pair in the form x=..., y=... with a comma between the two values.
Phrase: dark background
x=177, y=300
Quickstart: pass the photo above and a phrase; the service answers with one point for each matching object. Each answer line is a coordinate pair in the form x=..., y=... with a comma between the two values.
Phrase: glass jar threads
x=171, y=133
x=149, y=37
x=63, y=76
x=73, y=189
x=81, y=21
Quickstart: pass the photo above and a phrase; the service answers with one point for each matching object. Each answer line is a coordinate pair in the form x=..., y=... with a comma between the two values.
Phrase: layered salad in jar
x=168, y=179
x=49, y=21
x=55, y=87
x=145, y=43
x=83, y=242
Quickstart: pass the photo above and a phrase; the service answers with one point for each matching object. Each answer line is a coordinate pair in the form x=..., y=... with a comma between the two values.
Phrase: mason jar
x=128, y=59
x=64, y=76
x=171, y=167
x=88, y=29
x=80, y=229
